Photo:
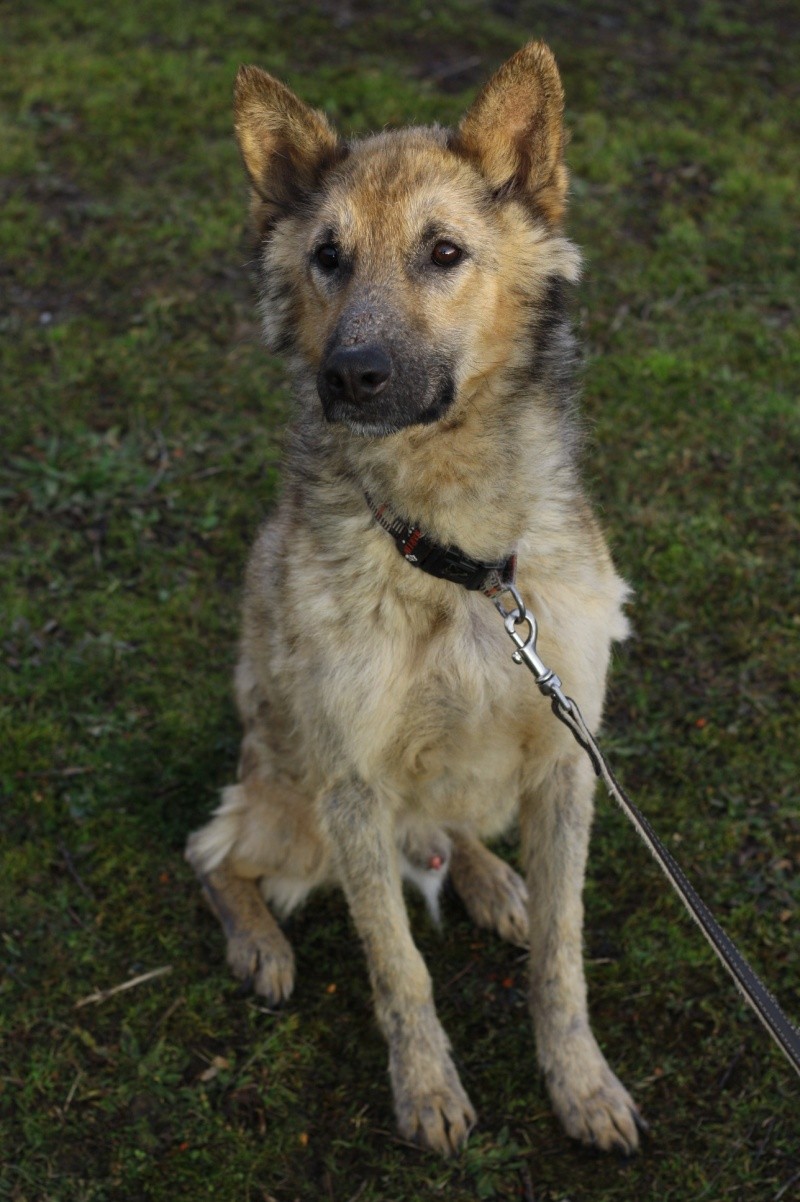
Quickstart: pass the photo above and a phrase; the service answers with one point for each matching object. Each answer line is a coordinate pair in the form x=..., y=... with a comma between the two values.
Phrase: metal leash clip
x=546, y=679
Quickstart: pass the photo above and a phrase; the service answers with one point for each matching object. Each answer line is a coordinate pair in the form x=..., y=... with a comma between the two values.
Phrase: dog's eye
x=327, y=257
x=446, y=254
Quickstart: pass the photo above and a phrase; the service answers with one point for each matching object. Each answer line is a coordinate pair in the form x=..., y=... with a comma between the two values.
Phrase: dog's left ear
x=514, y=131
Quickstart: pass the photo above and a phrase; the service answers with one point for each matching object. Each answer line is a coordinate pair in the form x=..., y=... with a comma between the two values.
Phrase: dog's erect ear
x=285, y=144
x=514, y=130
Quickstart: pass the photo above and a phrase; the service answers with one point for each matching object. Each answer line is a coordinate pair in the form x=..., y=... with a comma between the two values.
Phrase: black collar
x=448, y=563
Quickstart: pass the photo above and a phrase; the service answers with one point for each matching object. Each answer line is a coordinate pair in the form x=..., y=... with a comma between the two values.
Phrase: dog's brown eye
x=446, y=254
x=327, y=257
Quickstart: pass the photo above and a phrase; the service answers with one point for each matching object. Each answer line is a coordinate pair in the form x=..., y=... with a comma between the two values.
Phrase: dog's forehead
x=399, y=183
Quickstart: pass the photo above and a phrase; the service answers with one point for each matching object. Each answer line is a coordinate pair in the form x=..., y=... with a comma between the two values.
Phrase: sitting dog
x=416, y=280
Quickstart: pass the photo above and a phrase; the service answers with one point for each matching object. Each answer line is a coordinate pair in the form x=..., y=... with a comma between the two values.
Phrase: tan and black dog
x=416, y=281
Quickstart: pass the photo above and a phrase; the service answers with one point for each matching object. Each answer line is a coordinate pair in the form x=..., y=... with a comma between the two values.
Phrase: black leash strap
x=784, y=1032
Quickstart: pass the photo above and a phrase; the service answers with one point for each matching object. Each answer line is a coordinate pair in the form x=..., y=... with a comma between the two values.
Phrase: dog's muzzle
x=376, y=388
x=377, y=376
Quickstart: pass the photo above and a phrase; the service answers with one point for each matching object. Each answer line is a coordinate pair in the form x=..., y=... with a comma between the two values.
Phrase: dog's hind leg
x=258, y=952
x=431, y=1105
x=260, y=841
x=494, y=895
x=591, y=1103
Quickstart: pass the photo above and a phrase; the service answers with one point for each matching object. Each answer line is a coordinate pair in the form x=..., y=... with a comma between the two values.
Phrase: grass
x=140, y=430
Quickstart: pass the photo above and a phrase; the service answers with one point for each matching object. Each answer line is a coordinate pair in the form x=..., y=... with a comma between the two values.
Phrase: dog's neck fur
x=484, y=502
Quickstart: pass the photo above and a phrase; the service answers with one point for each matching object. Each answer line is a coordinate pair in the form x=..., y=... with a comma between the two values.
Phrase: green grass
x=140, y=431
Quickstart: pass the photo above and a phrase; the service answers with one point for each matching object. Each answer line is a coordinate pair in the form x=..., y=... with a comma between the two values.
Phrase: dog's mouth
x=378, y=421
x=370, y=394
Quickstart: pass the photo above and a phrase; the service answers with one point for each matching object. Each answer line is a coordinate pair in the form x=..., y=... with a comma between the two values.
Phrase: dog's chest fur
x=452, y=747
x=409, y=680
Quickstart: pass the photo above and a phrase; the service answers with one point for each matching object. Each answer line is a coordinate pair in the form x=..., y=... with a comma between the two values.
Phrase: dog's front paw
x=264, y=960
x=431, y=1105
x=593, y=1105
x=435, y=1116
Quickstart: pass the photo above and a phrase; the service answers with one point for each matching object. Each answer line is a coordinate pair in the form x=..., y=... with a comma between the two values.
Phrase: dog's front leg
x=430, y=1103
x=592, y=1104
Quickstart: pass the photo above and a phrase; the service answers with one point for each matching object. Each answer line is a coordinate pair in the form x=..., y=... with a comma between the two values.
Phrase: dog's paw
x=430, y=1102
x=265, y=961
x=439, y=1119
x=495, y=896
x=595, y=1108
x=504, y=905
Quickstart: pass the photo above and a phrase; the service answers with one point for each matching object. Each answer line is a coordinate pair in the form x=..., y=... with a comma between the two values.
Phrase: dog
x=416, y=282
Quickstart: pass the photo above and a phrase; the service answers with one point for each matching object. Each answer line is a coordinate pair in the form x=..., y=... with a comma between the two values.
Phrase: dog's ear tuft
x=285, y=144
x=514, y=131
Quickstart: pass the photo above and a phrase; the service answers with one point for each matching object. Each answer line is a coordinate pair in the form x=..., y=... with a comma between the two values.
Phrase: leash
x=496, y=579
x=755, y=993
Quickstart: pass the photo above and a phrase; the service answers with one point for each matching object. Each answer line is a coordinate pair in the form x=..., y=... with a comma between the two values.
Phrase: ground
x=140, y=433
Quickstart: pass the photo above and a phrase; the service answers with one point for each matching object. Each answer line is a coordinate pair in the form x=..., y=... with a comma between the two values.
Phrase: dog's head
x=401, y=271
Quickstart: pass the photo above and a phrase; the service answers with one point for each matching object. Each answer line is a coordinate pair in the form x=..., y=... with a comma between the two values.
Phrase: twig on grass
x=787, y=1185
x=102, y=995
x=452, y=69
x=73, y=871
x=462, y=972
x=73, y=1089
x=166, y=1016
x=74, y=770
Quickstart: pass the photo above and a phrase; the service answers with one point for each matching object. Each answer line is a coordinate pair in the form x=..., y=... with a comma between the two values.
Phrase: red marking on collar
x=412, y=541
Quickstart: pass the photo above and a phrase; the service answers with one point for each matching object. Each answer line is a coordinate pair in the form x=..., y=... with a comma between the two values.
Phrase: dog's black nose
x=356, y=373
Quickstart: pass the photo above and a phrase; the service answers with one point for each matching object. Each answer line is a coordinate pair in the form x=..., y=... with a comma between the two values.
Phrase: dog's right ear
x=285, y=144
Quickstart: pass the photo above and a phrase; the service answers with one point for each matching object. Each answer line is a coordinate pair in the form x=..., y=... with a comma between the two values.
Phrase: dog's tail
x=213, y=843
